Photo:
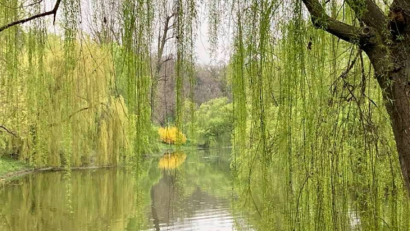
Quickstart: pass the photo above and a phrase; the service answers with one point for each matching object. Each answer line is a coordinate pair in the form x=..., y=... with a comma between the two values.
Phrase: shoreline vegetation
x=11, y=168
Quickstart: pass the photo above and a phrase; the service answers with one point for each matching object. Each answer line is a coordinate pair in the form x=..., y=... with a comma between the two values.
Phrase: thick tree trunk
x=393, y=75
x=399, y=110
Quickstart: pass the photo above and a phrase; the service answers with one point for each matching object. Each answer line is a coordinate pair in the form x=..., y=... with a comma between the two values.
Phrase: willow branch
x=70, y=116
x=322, y=20
x=51, y=12
x=372, y=15
x=365, y=37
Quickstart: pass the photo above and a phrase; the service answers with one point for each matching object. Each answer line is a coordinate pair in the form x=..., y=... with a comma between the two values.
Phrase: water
x=192, y=191
x=179, y=191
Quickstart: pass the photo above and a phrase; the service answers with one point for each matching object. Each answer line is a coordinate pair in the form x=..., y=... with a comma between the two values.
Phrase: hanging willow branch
x=51, y=12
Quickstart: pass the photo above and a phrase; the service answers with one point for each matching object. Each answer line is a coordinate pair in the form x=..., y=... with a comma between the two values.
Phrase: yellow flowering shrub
x=171, y=135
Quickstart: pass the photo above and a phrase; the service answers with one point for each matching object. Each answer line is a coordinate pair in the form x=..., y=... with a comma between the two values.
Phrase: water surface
x=172, y=191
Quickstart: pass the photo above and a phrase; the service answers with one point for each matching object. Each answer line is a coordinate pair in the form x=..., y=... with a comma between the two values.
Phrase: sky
x=202, y=46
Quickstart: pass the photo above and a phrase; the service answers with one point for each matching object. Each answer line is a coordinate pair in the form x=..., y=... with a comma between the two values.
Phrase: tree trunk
x=393, y=75
x=154, y=85
x=399, y=110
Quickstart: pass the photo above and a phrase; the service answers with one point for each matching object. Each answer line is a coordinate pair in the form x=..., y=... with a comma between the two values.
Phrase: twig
x=346, y=72
x=51, y=12
x=8, y=131
x=23, y=6
x=69, y=117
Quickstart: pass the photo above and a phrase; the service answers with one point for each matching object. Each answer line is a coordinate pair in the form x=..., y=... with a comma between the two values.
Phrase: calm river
x=176, y=191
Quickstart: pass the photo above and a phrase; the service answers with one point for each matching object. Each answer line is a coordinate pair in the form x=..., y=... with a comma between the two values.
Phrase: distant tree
x=214, y=122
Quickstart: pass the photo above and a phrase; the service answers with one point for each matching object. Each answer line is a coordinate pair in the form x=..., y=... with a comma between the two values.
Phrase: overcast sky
x=202, y=44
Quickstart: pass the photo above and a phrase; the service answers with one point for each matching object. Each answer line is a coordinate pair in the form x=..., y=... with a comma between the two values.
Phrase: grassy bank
x=8, y=165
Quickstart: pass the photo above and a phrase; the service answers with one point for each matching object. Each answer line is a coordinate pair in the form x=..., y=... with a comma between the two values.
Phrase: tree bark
x=162, y=40
x=399, y=110
x=386, y=41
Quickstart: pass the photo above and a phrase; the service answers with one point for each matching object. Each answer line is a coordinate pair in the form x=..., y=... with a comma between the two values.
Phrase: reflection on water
x=99, y=201
x=195, y=196
x=188, y=191
x=173, y=208
x=172, y=160
x=176, y=191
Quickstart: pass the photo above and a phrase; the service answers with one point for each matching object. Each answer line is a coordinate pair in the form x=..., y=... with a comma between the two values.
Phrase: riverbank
x=171, y=147
x=10, y=167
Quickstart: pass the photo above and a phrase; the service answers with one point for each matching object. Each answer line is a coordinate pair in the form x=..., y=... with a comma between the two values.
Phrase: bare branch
x=8, y=131
x=162, y=41
x=167, y=59
x=169, y=38
x=51, y=12
x=170, y=16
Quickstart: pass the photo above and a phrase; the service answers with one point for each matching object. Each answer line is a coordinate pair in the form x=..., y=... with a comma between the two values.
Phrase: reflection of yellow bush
x=171, y=135
x=172, y=160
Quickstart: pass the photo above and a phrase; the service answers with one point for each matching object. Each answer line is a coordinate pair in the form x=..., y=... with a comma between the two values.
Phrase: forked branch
x=321, y=19
x=362, y=36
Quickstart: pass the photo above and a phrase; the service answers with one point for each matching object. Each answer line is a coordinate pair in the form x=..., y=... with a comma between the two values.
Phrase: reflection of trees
x=115, y=199
x=165, y=198
x=100, y=200
x=263, y=204
x=180, y=191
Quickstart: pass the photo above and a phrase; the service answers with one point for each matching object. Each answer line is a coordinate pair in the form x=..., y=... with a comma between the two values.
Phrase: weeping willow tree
x=69, y=101
x=321, y=117
x=306, y=105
